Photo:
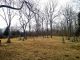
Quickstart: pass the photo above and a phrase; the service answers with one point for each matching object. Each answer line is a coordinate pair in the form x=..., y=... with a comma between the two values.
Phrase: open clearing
x=40, y=49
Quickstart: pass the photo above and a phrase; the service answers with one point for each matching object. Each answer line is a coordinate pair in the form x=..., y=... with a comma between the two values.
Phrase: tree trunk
x=29, y=29
x=51, y=28
x=0, y=42
x=9, y=41
x=42, y=29
x=24, y=36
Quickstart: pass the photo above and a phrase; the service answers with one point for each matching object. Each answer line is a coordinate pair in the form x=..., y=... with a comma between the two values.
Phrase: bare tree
x=23, y=24
x=62, y=30
x=41, y=22
x=8, y=16
x=77, y=28
x=43, y=18
x=29, y=15
x=37, y=24
x=47, y=18
x=29, y=6
x=69, y=16
x=51, y=15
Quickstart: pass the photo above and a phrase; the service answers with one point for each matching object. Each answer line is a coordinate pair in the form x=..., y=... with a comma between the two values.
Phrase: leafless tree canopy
x=51, y=21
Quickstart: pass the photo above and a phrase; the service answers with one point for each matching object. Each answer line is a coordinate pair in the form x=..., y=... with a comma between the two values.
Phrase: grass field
x=39, y=48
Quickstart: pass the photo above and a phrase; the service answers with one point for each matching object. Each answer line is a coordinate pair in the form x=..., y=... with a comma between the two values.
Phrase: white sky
x=42, y=4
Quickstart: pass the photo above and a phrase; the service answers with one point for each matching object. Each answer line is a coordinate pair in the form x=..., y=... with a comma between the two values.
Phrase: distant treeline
x=46, y=32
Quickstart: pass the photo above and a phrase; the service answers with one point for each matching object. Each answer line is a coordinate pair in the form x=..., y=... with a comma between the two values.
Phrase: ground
x=39, y=48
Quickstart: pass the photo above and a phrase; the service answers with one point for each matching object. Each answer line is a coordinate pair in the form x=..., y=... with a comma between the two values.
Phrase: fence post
x=0, y=42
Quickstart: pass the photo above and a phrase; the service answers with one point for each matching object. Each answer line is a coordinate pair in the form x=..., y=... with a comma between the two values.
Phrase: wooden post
x=0, y=42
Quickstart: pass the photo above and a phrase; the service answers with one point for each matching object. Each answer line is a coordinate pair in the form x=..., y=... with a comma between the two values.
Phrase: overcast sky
x=42, y=3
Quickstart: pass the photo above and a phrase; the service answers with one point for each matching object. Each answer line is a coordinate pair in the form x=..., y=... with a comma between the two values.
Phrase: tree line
x=51, y=21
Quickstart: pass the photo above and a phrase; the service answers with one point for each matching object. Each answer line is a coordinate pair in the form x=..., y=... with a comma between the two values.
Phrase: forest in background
x=52, y=21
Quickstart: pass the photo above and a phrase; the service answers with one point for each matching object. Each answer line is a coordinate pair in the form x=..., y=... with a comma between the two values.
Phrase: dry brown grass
x=39, y=49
